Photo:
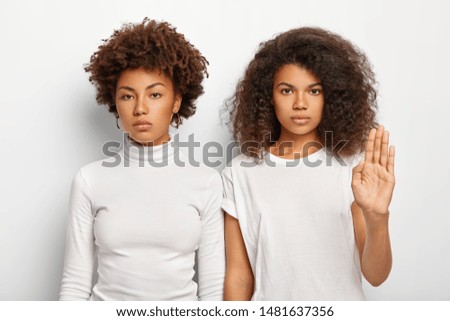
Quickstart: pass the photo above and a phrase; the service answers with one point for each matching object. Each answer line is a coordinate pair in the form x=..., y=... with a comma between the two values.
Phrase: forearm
x=79, y=257
x=238, y=285
x=376, y=260
x=76, y=282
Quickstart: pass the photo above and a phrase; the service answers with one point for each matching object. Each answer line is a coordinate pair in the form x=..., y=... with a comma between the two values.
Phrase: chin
x=302, y=131
x=146, y=137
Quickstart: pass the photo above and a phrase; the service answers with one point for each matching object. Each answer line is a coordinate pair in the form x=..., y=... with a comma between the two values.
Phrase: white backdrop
x=51, y=126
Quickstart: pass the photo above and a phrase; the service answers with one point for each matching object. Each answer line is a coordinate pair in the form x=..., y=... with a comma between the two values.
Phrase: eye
x=126, y=97
x=315, y=91
x=286, y=91
x=155, y=95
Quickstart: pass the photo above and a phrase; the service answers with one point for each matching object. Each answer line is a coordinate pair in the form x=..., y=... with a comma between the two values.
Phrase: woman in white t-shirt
x=145, y=212
x=306, y=216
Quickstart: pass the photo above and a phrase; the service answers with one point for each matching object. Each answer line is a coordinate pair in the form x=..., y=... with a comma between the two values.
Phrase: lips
x=142, y=125
x=300, y=120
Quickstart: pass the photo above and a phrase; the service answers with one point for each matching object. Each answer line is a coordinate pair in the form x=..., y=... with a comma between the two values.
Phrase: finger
x=357, y=172
x=390, y=164
x=369, y=145
x=384, y=149
x=377, y=148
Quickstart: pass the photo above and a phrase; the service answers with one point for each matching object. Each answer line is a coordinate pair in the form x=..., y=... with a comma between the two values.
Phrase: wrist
x=375, y=219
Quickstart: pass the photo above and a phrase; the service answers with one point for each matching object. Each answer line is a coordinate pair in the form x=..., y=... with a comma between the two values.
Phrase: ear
x=177, y=103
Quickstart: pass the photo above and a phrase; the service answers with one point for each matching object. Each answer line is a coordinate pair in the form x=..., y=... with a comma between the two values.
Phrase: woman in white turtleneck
x=145, y=212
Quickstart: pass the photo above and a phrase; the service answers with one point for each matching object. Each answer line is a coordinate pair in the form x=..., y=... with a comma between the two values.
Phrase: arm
x=373, y=185
x=79, y=255
x=239, y=279
x=374, y=246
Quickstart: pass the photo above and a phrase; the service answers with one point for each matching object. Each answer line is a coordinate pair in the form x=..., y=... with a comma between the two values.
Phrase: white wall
x=50, y=123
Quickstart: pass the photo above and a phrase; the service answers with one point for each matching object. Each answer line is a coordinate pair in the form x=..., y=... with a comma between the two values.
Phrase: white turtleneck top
x=142, y=215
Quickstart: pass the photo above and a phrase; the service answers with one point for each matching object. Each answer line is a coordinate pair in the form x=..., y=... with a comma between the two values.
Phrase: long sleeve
x=80, y=251
x=211, y=250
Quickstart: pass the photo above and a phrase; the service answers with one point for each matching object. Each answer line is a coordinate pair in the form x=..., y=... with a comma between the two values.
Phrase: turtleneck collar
x=156, y=156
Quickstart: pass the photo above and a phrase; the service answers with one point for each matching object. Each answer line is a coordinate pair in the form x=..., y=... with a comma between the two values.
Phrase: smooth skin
x=298, y=101
x=146, y=101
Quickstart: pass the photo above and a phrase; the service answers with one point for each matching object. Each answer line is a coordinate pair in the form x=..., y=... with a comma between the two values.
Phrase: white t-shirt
x=296, y=222
x=144, y=225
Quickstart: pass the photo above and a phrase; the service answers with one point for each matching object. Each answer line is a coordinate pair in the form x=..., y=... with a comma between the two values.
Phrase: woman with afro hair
x=143, y=215
x=306, y=214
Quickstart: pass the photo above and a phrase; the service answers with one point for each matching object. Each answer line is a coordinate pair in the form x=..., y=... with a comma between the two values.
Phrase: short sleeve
x=79, y=253
x=228, y=202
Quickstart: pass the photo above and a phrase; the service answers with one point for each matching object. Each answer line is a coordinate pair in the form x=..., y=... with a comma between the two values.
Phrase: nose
x=300, y=102
x=140, y=108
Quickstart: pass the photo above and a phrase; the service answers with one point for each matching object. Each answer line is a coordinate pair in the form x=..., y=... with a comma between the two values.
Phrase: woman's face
x=298, y=101
x=146, y=101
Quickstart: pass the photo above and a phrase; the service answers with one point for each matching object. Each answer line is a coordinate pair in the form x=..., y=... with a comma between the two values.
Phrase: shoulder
x=96, y=171
x=199, y=175
x=342, y=169
x=354, y=160
x=82, y=182
x=94, y=168
x=239, y=163
x=210, y=175
x=347, y=162
x=200, y=169
x=205, y=185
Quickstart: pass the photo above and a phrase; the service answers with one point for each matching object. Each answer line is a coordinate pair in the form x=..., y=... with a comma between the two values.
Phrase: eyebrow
x=148, y=87
x=292, y=86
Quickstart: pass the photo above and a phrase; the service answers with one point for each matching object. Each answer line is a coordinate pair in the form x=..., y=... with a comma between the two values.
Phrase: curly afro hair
x=154, y=46
x=347, y=80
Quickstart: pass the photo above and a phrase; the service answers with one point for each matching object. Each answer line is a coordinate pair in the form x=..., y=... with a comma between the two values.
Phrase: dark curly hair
x=154, y=46
x=347, y=80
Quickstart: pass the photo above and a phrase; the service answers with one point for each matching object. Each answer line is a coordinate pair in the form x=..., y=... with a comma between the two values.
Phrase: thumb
x=357, y=171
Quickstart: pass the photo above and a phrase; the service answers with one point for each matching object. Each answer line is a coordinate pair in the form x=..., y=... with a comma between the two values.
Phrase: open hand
x=373, y=179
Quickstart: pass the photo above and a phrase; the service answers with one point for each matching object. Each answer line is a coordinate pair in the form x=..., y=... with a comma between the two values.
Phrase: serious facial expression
x=145, y=101
x=298, y=100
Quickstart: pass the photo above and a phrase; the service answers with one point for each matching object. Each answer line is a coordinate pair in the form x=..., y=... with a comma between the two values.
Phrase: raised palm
x=373, y=179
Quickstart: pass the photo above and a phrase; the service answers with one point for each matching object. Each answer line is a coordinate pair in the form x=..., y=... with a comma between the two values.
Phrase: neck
x=155, y=155
x=292, y=146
